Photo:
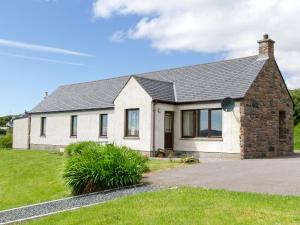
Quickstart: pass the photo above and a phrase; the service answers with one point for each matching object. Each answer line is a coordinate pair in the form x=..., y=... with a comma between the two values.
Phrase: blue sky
x=68, y=25
x=47, y=43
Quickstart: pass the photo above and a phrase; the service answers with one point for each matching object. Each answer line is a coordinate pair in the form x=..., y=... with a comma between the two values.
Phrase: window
x=282, y=127
x=73, y=126
x=188, y=120
x=216, y=123
x=202, y=123
x=103, y=125
x=132, y=123
x=43, y=126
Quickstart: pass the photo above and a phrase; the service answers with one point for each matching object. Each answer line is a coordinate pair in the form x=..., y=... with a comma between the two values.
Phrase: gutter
x=70, y=111
x=29, y=131
x=153, y=128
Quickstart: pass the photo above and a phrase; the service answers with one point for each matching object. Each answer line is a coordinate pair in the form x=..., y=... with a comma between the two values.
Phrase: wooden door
x=169, y=130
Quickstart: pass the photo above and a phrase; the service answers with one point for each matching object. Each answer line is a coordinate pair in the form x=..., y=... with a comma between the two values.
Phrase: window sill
x=282, y=139
x=73, y=137
x=102, y=137
x=131, y=138
x=42, y=136
x=203, y=139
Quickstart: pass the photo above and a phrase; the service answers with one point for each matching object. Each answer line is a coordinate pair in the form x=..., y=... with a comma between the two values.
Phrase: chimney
x=266, y=47
x=46, y=95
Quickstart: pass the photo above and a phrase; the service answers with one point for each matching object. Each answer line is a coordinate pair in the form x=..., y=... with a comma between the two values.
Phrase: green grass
x=185, y=206
x=157, y=164
x=28, y=177
x=297, y=137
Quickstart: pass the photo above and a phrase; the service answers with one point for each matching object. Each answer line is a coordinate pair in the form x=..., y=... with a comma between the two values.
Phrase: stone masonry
x=266, y=99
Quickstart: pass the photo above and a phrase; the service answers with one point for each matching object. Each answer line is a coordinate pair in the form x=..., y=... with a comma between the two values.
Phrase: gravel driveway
x=272, y=176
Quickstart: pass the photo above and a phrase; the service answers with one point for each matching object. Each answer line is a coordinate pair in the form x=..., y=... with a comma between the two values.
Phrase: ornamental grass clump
x=77, y=148
x=99, y=167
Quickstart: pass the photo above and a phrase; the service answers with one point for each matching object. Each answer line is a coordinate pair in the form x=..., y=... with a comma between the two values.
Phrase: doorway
x=169, y=130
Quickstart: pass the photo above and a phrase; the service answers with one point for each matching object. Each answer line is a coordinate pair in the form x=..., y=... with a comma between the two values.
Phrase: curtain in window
x=74, y=126
x=103, y=131
x=188, y=121
x=43, y=126
x=133, y=122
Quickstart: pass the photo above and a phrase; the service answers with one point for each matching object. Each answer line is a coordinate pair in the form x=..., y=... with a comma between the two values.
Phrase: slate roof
x=203, y=82
x=83, y=96
x=157, y=89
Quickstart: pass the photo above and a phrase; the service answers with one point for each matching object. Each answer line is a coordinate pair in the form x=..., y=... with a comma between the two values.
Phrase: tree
x=296, y=97
x=4, y=120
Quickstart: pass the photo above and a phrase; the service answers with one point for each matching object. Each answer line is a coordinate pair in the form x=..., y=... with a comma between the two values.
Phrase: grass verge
x=185, y=206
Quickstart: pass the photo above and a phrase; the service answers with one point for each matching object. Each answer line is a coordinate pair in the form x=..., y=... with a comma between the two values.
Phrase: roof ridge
x=146, y=78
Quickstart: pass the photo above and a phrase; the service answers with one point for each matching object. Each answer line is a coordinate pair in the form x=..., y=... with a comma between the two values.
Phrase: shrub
x=145, y=158
x=78, y=148
x=100, y=167
x=189, y=160
x=6, y=141
x=2, y=132
x=296, y=98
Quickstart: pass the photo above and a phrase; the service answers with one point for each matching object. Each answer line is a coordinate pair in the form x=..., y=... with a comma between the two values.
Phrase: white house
x=177, y=109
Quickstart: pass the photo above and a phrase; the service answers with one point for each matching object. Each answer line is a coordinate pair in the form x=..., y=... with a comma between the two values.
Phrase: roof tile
x=203, y=82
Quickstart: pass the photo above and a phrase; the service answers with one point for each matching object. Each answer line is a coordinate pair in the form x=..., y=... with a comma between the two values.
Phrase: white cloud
x=209, y=26
x=41, y=59
x=39, y=48
x=118, y=36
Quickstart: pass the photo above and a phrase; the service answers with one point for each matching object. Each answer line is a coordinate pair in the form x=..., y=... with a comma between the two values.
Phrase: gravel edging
x=52, y=207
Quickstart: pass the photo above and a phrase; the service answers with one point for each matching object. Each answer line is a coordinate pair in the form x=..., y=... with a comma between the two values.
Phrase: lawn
x=29, y=177
x=185, y=206
x=156, y=165
x=297, y=137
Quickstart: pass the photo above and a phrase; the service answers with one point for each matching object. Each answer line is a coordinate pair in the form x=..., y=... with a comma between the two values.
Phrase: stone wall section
x=260, y=109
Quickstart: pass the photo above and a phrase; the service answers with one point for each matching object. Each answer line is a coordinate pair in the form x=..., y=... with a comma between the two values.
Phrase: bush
x=296, y=98
x=100, y=167
x=189, y=160
x=78, y=148
x=6, y=141
x=2, y=132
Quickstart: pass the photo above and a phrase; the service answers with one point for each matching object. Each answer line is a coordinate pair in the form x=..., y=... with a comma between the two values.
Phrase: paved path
x=52, y=207
x=272, y=176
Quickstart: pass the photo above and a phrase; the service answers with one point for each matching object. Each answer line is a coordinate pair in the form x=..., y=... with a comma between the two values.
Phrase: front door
x=169, y=128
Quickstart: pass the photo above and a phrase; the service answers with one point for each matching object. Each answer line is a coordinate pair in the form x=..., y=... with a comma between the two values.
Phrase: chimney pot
x=46, y=94
x=266, y=36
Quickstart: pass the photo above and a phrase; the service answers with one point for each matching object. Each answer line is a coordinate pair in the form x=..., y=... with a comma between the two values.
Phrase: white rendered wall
x=58, y=127
x=20, y=133
x=230, y=142
x=133, y=96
